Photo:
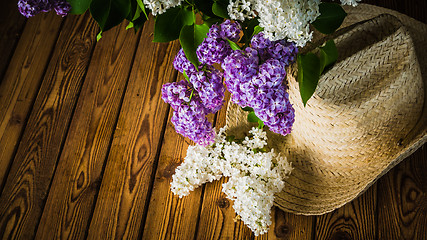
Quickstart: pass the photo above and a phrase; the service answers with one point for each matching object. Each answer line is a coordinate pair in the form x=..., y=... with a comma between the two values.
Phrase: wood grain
x=218, y=218
x=123, y=195
x=134, y=199
x=402, y=199
x=11, y=26
x=168, y=216
x=22, y=81
x=289, y=226
x=24, y=194
x=355, y=220
x=78, y=175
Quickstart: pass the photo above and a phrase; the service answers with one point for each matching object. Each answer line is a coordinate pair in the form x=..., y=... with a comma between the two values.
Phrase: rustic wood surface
x=87, y=149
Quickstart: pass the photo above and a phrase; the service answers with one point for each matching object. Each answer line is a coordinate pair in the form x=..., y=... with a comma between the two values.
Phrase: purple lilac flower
x=230, y=30
x=212, y=50
x=176, y=93
x=272, y=106
x=214, y=32
x=270, y=74
x=208, y=84
x=30, y=8
x=259, y=42
x=190, y=121
x=283, y=51
x=61, y=7
x=189, y=116
x=181, y=63
x=239, y=69
x=255, y=79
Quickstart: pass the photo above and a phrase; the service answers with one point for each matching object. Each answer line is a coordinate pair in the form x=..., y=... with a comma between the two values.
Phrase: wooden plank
x=402, y=199
x=77, y=177
x=289, y=226
x=24, y=195
x=126, y=183
x=168, y=216
x=22, y=81
x=11, y=26
x=217, y=217
x=355, y=220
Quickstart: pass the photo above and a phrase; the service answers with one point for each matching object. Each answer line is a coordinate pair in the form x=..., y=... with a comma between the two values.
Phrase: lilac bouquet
x=254, y=76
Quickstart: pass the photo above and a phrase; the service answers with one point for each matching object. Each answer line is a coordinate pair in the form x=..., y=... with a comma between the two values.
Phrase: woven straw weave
x=366, y=115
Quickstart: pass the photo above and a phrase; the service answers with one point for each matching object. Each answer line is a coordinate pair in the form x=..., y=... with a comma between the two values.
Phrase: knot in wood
x=341, y=235
x=282, y=230
x=223, y=203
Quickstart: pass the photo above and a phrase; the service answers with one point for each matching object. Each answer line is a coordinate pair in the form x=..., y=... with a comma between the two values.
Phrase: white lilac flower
x=288, y=19
x=350, y=2
x=254, y=176
x=160, y=6
x=281, y=18
x=241, y=9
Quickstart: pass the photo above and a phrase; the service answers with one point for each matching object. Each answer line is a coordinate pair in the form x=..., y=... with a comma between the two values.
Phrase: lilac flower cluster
x=30, y=8
x=208, y=84
x=189, y=115
x=255, y=77
x=215, y=47
x=281, y=50
x=203, y=93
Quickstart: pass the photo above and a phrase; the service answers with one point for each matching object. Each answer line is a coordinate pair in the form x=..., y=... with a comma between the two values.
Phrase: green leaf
x=230, y=138
x=186, y=76
x=257, y=30
x=252, y=117
x=328, y=55
x=205, y=6
x=248, y=30
x=248, y=109
x=109, y=13
x=209, y=21
x=331, y=17
x=142, y=7
x=308, y=75
x=233, y=45
x=135, y=17
x=248, y=26
x=129, y=26
x=79, y=6
x=191, y=37
x=134, y=12
x=219, y=8
x=99, y=36
x=168, y=25
x=191, y=95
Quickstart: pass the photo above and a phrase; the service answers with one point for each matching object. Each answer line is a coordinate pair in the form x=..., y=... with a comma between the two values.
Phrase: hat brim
x=325, y=178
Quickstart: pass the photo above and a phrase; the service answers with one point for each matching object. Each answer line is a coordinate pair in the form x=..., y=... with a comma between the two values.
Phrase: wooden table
x=87, y=149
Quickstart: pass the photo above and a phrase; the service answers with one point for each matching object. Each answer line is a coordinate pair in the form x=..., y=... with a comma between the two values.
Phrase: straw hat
x=366, y=116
